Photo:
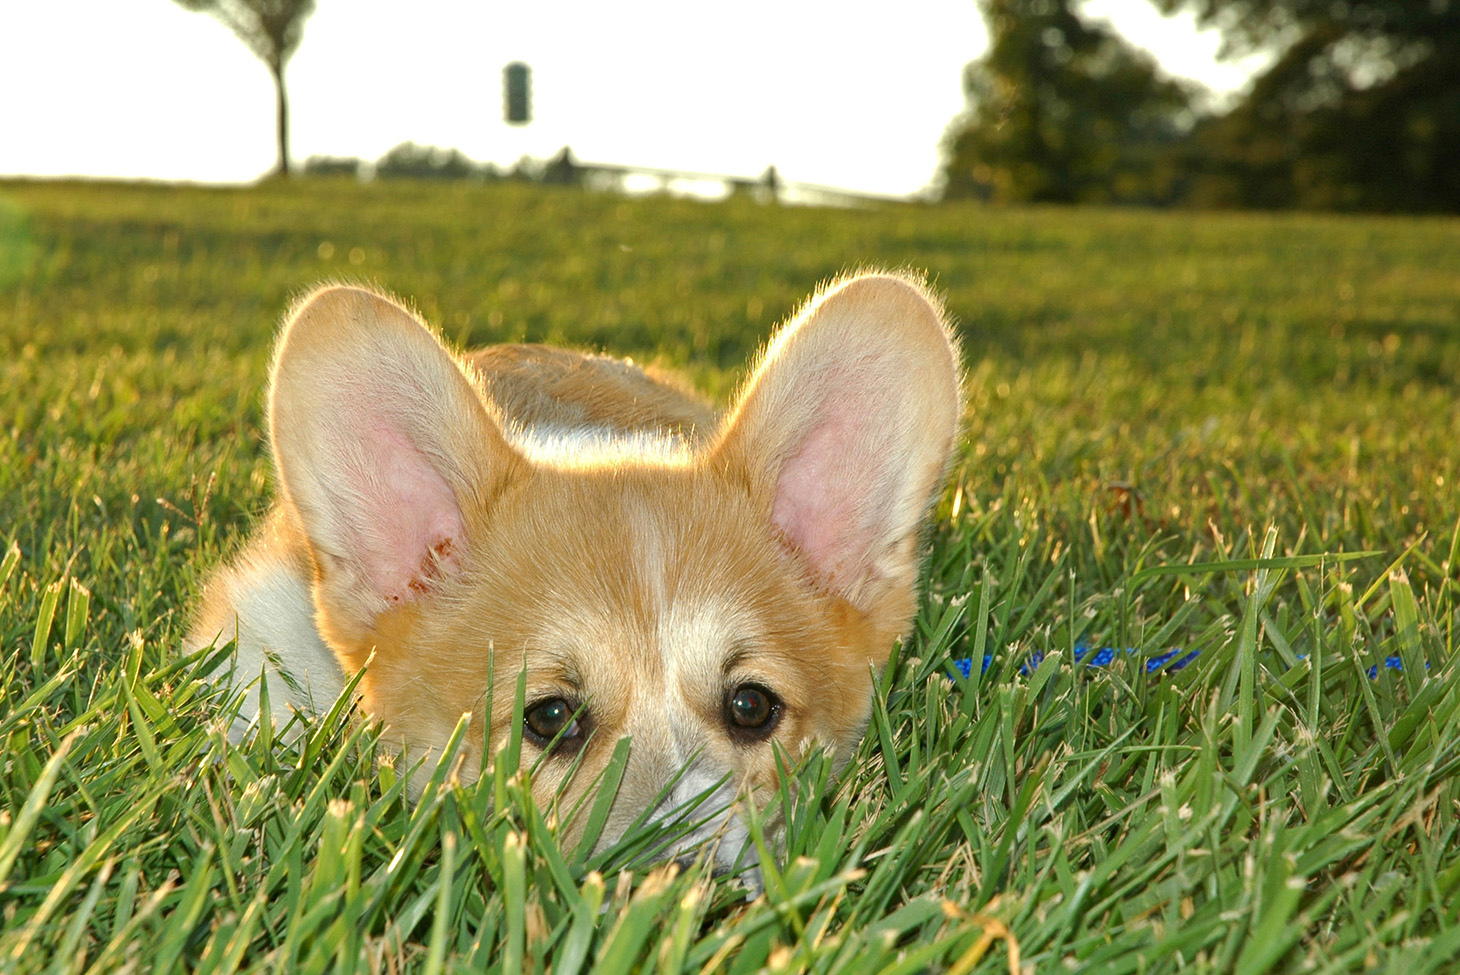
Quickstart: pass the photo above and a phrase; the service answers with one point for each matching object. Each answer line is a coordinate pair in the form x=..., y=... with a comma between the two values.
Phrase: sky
x=841, y=93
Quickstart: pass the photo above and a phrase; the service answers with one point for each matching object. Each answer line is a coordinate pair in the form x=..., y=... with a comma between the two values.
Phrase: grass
x=1185, y=431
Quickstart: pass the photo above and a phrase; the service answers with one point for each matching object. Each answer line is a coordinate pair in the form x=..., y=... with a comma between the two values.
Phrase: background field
x=1147, y=391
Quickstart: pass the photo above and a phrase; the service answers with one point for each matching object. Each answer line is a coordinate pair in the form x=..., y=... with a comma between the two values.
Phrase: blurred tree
x=272, y=29
x=1360, y=109
x=1061, y=110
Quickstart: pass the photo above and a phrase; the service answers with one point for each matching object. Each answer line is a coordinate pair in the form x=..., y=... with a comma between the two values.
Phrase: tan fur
x=539, y=384
x=647, y=583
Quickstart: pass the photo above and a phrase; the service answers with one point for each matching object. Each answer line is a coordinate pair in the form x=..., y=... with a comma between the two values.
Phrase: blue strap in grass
x=1166, y=663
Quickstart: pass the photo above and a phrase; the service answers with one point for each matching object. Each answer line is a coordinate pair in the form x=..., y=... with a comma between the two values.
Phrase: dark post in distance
x=517, y=93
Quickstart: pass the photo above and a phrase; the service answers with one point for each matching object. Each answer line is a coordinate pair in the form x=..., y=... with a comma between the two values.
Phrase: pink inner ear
x=832, y=494
x=407, y=523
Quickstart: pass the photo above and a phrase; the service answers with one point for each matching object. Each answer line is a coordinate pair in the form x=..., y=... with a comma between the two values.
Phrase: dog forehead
x=650, y=620
x=654, y=579
x=699, y=636
x=664, y=531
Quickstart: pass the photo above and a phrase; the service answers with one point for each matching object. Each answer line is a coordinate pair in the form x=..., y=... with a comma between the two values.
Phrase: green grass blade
x=18, y=834
x=41, y=635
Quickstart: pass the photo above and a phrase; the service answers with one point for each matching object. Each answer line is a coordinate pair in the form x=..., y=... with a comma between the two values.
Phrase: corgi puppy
x=707, y=585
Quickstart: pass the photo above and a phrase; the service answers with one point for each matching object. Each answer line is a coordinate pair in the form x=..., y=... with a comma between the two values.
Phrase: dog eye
x=752, y=712
x=552, y=719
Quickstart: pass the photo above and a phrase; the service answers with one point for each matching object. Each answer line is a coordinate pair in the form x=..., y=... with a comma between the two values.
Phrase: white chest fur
x=266, y=605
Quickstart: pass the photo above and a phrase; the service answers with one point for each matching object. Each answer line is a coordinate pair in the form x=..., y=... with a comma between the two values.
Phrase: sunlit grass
x=1262, y=399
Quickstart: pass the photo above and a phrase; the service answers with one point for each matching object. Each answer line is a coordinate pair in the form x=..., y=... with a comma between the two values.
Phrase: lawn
x=1227, y=435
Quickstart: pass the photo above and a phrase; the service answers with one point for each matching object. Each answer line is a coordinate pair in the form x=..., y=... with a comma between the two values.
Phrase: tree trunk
x=281, y=102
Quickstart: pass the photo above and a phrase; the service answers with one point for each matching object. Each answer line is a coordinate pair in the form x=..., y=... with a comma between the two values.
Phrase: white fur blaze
x=846, y=426
x=379, y=442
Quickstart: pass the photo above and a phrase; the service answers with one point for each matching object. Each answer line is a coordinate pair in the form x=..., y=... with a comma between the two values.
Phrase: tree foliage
x=272, y=30
x=1062, y=110
x=1253, y=24
x=1360, y=110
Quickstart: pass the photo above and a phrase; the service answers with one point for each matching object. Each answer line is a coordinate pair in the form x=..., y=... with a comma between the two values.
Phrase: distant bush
x=333, y=166
x=412, y=161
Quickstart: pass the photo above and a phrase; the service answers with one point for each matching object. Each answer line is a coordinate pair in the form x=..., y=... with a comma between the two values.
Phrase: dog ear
x=383, y=447
x=844, y=430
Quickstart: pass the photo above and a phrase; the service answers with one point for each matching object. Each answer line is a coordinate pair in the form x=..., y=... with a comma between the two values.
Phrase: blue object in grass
x=1168, y=662
x=1391, y=663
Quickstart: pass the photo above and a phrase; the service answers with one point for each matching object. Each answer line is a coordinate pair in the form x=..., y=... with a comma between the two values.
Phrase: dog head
x=711, y=601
